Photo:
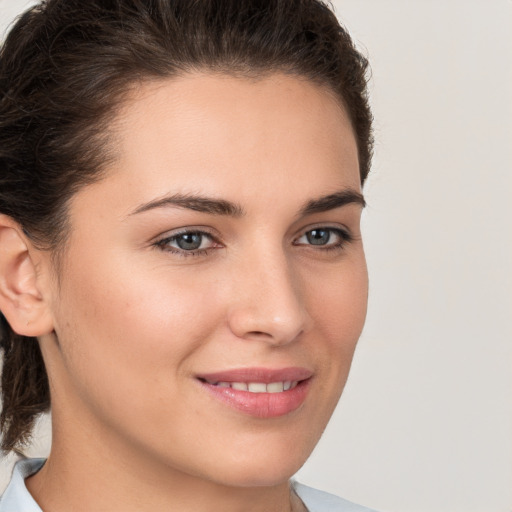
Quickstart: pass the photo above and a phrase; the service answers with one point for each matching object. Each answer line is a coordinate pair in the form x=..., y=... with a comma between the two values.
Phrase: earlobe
x=21, y=299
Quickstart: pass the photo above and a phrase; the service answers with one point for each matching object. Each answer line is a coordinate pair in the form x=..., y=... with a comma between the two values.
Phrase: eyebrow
x=333, y=201
x=196, y=203
x=222, y=207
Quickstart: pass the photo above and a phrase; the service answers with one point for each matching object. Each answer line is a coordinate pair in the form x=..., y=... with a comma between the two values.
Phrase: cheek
x=132, y=330
x=338, y=309
x=339, y=304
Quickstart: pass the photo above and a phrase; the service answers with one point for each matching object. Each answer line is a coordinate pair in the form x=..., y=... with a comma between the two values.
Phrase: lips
x=259, y=392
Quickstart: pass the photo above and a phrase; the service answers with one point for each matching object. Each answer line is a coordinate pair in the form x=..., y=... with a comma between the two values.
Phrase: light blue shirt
x=16, y=497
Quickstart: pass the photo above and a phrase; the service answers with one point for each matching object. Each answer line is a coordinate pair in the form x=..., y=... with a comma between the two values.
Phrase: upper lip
x=266, y=375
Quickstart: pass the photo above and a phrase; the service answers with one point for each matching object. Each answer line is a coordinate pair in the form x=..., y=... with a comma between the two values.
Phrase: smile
x=259, y=392
x=258, y=387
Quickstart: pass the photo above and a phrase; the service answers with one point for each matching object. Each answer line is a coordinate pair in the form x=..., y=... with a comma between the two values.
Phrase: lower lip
x=261, y=405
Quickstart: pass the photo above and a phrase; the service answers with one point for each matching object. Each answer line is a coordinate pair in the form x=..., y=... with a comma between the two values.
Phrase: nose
x=267, y=301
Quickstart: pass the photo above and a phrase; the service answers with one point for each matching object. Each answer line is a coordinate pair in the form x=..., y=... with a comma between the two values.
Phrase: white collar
x=16, y=497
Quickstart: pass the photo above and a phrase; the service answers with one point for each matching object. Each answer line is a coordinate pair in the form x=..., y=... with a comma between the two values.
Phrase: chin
x=262, y=469
x=269, y=476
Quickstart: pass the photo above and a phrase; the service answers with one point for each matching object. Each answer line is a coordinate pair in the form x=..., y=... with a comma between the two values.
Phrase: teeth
x=258, y=387
x=275, y=387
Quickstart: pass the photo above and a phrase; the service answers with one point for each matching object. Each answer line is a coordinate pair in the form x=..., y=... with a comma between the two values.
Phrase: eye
x=187, y=243
x=324, y=238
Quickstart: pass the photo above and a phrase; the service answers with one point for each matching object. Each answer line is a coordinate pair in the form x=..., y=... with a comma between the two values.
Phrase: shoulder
x=16, y=497
x=320, y=501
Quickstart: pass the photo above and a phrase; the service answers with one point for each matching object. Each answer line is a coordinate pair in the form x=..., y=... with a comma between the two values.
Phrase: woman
x=182, y=272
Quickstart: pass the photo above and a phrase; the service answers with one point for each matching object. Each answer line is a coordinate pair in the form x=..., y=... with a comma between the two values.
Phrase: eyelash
x=163, y=244
x=344, y=238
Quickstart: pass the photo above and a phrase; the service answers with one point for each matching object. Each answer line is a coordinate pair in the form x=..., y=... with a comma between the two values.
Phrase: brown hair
x=64, y=69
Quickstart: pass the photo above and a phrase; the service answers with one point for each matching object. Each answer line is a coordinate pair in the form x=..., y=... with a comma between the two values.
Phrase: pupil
x=318, y=236
x=189, y=241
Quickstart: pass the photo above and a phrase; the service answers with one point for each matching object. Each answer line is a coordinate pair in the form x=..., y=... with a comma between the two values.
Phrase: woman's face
x=214, y=285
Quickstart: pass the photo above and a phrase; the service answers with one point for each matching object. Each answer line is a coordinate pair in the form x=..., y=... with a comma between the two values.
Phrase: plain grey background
x=425, y=423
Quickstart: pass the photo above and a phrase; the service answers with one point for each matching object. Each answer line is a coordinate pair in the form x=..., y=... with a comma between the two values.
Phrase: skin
x=130, y=322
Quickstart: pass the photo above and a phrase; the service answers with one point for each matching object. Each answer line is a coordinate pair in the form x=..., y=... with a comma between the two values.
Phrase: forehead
x=232, y=138
x=211, y=120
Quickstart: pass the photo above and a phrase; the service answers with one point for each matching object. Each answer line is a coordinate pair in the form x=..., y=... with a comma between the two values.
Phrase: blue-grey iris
x=318, y=236
x=189, y=241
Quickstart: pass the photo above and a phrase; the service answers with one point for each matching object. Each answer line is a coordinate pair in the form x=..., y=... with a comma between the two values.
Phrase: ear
x=21, y=300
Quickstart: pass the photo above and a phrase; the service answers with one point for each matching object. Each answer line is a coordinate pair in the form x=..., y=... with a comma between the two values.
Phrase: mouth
x=257, y=387
x=259, y=392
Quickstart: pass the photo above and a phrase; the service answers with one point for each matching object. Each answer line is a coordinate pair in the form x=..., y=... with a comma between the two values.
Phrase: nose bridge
x=268, y=302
